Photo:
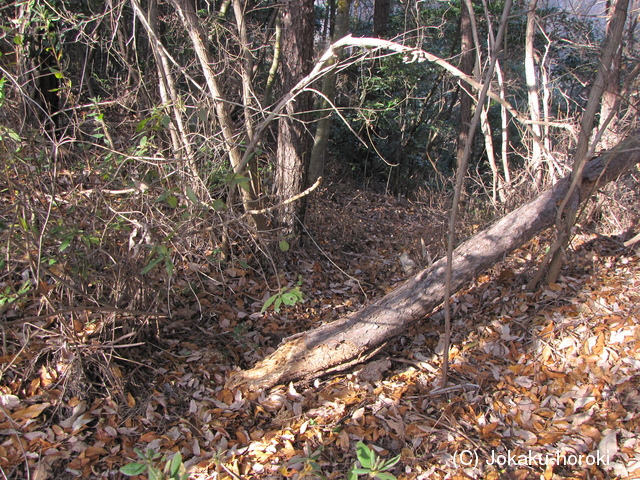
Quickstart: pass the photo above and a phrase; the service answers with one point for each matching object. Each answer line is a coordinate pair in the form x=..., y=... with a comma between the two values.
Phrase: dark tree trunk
x=294, y=141
x=354, y=338
x=381, y=12
x=466, y=66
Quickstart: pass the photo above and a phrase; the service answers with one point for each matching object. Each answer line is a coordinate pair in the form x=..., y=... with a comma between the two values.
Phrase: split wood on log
x=353, y=338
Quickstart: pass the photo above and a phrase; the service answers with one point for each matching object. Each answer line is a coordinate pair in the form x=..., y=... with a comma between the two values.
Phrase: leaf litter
x=544, y=384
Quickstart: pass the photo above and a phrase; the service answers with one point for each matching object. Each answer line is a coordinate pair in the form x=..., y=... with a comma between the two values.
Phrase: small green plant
x=157, y=122
x=287, y=295
x=6, y=131
x=160, y=253
x=7, y=296
x=173, y=468
x=304, y=466
x=372, y=465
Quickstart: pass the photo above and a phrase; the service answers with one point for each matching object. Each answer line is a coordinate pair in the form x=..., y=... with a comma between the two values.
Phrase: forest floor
x=543, y=384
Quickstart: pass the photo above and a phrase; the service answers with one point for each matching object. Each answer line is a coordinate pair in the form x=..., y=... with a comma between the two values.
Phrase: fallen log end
x=271, y=370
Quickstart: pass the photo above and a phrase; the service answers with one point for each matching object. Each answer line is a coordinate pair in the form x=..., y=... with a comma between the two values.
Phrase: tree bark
x=359, y=335
x=611, y=90
x=532, y=94
x=467, y=60
x=294, y=142
x=277, y=49
x=568, y=208
x=381, y=12
x=317, y=160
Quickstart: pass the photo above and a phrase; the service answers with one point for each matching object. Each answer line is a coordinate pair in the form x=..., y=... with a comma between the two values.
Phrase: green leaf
x=268, y=303
x=168, y=265
x=244, y=264
x=242, y=181
x=132, y=469
x=297, y=293
x=352, y=475
x=365, y=455
x=390, y=463
x=150, y=266
x=219, y=205
x=172, y=200
x=203, y=115
x=141, y=126
x=192, y=195
x=361, y=471
x=385, y=476
x=284, y=246
x=277, y=303
x=13, y=135
x=155, y=474
x=174, y=465
x=289, y=298
x=25, y=287
x=65, y=244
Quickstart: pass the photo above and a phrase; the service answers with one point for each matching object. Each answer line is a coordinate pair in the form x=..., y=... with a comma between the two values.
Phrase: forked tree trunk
x=357, y=336
x=193, y=27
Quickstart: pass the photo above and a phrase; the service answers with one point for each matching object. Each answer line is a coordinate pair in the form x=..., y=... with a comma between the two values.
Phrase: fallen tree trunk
x=354, y=337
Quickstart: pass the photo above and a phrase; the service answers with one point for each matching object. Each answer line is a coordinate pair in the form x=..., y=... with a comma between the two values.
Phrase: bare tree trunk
x=496, y=182
x=485, y=126
x=381, y=12
x=358, y=336
x=277, y=48
x=168, y=93
x=568, y=208
x=536, y=161
x=248, y=99
x=504, y=122
x=467, y=60
x=249, y=102
x=294, y=142
x=611, y=92
x=191, y=23
x=504, y=130
x=317, y=160
x=546, y=118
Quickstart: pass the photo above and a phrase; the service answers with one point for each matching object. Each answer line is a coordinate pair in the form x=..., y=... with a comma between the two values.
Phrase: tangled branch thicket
x=101, y=209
